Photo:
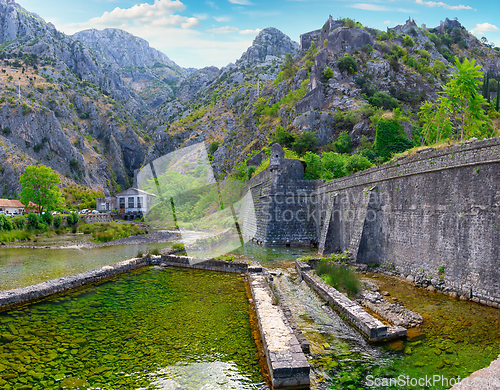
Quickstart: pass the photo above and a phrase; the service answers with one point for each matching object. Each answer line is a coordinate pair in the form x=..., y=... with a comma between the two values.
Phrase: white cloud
x=444, y=5
x=223, y=30
x=192, y=48
x=374, y=7
x=481, y=28
x=248, y=32
x=387, y=22
x=222, y=18
x=370, y=7
x=241, y=2
x=229, y=29
x=201, y=16
x=161, y=13
x=167, y=30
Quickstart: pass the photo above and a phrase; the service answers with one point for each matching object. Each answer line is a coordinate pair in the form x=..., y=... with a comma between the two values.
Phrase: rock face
x=348, y=39
x=123, y=49
x=22, y=30
x=196, y=82
x=12, y=26
x=148, y=71
x=73, y=112
x=269, y=42
x=451, y=24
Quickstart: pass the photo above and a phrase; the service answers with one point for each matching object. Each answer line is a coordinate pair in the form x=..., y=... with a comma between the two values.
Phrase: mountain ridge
x=98, y=105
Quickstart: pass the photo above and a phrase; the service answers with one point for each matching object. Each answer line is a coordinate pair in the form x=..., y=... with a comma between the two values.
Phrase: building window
x=107, y=206
x=131, y=203
x=139, y=202
x=122, y=203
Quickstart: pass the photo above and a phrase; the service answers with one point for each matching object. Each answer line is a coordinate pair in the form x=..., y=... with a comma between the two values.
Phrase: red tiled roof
x=10, y=203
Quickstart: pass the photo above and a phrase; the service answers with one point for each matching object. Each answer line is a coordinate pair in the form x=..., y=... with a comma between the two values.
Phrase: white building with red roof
x=11, y=206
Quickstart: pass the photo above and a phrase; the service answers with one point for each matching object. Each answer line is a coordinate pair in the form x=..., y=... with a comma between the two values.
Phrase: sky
x=199, y=33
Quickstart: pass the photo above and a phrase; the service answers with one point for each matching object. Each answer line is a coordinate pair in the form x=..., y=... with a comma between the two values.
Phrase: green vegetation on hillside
x=28, y=227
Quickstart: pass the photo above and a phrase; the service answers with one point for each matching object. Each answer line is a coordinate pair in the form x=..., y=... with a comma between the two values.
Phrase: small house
x=13, y=207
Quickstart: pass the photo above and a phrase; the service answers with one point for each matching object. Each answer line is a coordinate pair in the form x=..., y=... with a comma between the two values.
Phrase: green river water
x=179, y=329
x=152, y=328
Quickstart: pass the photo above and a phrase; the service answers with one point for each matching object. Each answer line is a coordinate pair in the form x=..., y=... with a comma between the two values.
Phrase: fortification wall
x=435, y=214
x=432, y=215
x=282, y=201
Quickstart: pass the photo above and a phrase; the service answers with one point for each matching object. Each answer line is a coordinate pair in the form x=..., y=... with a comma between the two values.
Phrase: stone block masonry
x=287, y=363
x=485, y=379
x=369, y=326
x=210, y=264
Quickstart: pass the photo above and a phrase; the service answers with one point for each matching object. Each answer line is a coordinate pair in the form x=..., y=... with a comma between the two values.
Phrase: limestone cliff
x=148, y=71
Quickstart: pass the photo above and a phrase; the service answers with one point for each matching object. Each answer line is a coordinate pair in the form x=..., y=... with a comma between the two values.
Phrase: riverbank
x=82, y=241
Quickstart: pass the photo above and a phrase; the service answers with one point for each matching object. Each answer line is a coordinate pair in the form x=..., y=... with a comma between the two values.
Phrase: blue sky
x=216, y=32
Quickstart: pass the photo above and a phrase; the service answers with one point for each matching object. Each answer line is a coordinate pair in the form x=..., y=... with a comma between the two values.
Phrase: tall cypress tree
x=498, y=95
x=488, y=87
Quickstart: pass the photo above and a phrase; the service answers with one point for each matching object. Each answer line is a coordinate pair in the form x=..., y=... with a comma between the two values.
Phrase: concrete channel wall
x=287, y=364
x=369, y=326
x=19, y=296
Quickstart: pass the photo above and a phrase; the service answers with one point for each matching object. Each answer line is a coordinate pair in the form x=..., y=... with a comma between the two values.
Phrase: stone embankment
x=369, y=326
x=210, y=264
x=19, y=296
x=485, y=379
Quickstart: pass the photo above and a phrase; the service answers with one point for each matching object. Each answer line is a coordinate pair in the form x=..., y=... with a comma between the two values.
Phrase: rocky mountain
x=151, y=74
x=83, y=104
x=269, y=43
x=342, y=76
x=212, y=105
x=62, y=108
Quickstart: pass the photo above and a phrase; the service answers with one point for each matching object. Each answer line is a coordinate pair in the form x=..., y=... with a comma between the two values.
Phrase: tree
x=390, y=139
x=38, y=185
x=348, y=64
x=437, y=124
x=305, y=142
x=459, y=104
x=357, y=163
x=383, y=100
x=498, y=95
x=439, y=66
x=343, y=143
x=288, y=67
x=408, y=41
x=465, y=103
x=283, y=137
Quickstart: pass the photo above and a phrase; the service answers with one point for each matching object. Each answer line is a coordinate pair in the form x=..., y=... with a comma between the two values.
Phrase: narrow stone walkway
x=287, y=363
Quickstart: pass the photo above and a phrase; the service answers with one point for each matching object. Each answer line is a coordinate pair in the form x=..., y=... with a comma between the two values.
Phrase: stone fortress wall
x=432, y=215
